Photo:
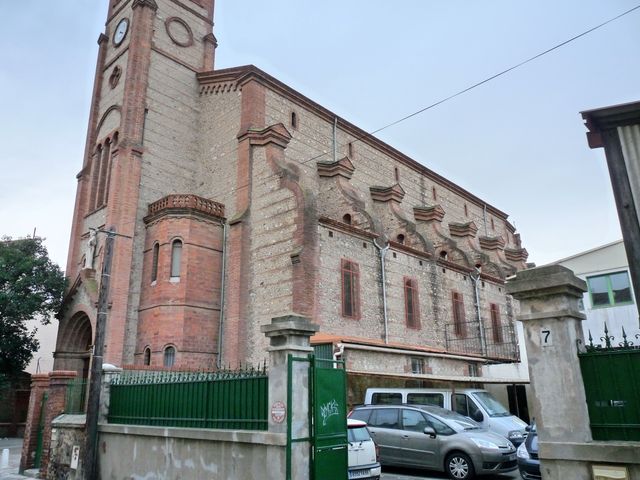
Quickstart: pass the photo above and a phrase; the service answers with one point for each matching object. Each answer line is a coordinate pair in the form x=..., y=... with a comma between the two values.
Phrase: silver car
x=430, y=437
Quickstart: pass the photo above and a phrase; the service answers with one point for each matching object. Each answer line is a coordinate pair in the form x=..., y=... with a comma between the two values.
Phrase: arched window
x=400, y=238
x=147, y=356
x=95, y=176
x=443, y=255
x=346, y=219
x=169, y=357
x=176, y=258
x=154, y=262
x=104, y=169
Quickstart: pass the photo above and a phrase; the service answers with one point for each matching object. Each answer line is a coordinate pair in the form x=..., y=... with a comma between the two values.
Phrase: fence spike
x=624, y=338
x=590, y=339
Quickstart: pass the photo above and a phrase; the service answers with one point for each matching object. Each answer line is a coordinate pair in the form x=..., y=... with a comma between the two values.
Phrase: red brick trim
x=434, y=213
x=468, y=229
x=395, y=193
x=247, y=73
x=343, y=167
x=491, y=243
x=184, y=204
x=349, y=229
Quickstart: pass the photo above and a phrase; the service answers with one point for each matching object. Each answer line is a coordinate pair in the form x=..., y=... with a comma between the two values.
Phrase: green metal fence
x=225, y=399
x=76, y=396
x=611, y=374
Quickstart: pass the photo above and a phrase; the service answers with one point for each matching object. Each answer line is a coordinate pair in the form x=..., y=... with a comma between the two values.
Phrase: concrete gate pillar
x=289, y=335
x=552, y=320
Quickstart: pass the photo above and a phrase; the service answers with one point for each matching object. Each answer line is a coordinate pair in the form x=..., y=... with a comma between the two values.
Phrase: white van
x=476, y=404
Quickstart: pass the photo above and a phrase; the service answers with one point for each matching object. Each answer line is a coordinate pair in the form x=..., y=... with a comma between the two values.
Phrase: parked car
x=434, y=438
x=477, y=404
x=363, y=453
x=528, y=461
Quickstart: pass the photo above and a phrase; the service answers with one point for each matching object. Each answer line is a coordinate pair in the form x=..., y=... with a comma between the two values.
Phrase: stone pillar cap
x=63, y=374
x=544, y=281
x=108, y=367
x=289, y=325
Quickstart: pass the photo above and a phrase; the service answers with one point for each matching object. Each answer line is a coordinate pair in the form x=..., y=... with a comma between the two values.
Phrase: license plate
x=359, y=473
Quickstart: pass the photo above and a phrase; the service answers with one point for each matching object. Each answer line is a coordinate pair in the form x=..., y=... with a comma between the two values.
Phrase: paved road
x=9, y=471
x=409, y=474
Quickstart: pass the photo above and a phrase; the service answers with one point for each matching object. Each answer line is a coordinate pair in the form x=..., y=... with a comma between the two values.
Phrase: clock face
x=121, y=31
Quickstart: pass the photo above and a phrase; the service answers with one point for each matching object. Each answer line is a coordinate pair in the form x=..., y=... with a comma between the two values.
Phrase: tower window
x=458, y=314
x=176, y=258
x=350, y=289
x=400, y=238
x=396, y=173
x=493, y=225
x=466, y=210
x=147, y=356
x=411, y=303
x=294, y=120
x=169, y=359
x=346, y=219
x=350, y=150
x=434, y=193
x=443, y=255
x=154, y=262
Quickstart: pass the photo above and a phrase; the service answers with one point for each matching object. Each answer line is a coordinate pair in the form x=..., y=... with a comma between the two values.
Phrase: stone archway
x=73, y=349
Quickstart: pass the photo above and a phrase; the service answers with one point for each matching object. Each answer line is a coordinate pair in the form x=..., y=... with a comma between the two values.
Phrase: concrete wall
x=135, y=452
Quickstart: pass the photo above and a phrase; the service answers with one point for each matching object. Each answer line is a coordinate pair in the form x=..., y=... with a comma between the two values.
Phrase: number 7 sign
x=546, y=339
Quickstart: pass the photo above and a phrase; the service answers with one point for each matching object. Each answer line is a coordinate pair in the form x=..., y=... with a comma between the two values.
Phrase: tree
x=31, y=287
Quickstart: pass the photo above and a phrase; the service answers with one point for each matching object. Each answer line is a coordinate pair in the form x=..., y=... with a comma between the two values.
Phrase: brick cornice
x=343, y=167
x=349, y=229
x=277, y=134
x=395, y=193
x=184, y=204
x=491, y=243
x=468, y=229
x=428, y=214
x=516, y=254
x=237, y=76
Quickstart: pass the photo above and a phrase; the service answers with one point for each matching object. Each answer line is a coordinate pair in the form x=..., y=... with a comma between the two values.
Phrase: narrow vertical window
x=411, y=303
x=466, y=210
x=95, y=176
x=147, y=356
x=434, y=193
x=294, y=120
x=154, y=262
x=176, y=258
x=458, y=314
x=350, y=150
x=169, y=357
x=350, y=289
x=396, y=172
x=495, y=324
x=104, y=168
x=114, y=144
x=493, y=225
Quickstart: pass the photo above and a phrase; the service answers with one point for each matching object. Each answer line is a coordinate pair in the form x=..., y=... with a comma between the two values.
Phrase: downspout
x=222, y=288
x=483, y=341
x=383, y=251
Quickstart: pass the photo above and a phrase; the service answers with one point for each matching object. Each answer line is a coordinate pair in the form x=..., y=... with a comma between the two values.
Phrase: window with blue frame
x=610, y=290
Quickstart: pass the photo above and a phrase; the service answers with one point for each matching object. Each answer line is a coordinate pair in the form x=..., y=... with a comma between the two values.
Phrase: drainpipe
x=383, y=251
x=476, y=279
x=222, y=285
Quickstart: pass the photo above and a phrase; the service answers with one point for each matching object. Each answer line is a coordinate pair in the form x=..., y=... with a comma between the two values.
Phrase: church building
x=236, y=199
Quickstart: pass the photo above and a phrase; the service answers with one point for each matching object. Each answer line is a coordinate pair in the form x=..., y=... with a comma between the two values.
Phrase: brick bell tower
x=143, y=120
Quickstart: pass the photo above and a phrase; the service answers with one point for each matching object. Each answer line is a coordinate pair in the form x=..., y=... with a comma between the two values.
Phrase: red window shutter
x=495, y=324
x=350, y=289
x=459, y=326
x=411, y=303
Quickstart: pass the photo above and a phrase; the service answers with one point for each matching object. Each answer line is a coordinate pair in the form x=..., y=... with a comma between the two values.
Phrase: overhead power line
x=486, y=80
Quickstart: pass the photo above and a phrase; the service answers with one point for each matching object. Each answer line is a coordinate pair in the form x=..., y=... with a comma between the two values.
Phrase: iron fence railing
x=230, y=399
x=611, y=377
x=495, y=343
x=76, y=396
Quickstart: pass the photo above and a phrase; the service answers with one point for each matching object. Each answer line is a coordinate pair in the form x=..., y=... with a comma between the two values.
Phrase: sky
x=517, y=142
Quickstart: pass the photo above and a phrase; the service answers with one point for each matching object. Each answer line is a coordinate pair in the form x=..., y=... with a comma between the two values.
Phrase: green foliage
x=31, y=287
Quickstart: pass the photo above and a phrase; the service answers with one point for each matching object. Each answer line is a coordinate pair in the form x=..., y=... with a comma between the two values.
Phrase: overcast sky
x=517, y=142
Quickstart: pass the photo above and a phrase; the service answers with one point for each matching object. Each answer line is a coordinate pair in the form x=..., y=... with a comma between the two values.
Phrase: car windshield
x=458, y=422
x=492, y=406
x=358, y=434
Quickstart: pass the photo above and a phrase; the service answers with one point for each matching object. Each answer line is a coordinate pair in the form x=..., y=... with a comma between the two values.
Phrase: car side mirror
x=528, y=428
x=477, y=416
x=430, y=431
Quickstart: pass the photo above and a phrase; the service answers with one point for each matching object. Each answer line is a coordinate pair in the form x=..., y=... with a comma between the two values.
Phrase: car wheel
x=459, y=466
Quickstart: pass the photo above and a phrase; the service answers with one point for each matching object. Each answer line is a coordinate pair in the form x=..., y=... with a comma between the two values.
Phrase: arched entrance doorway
x=73, y=348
